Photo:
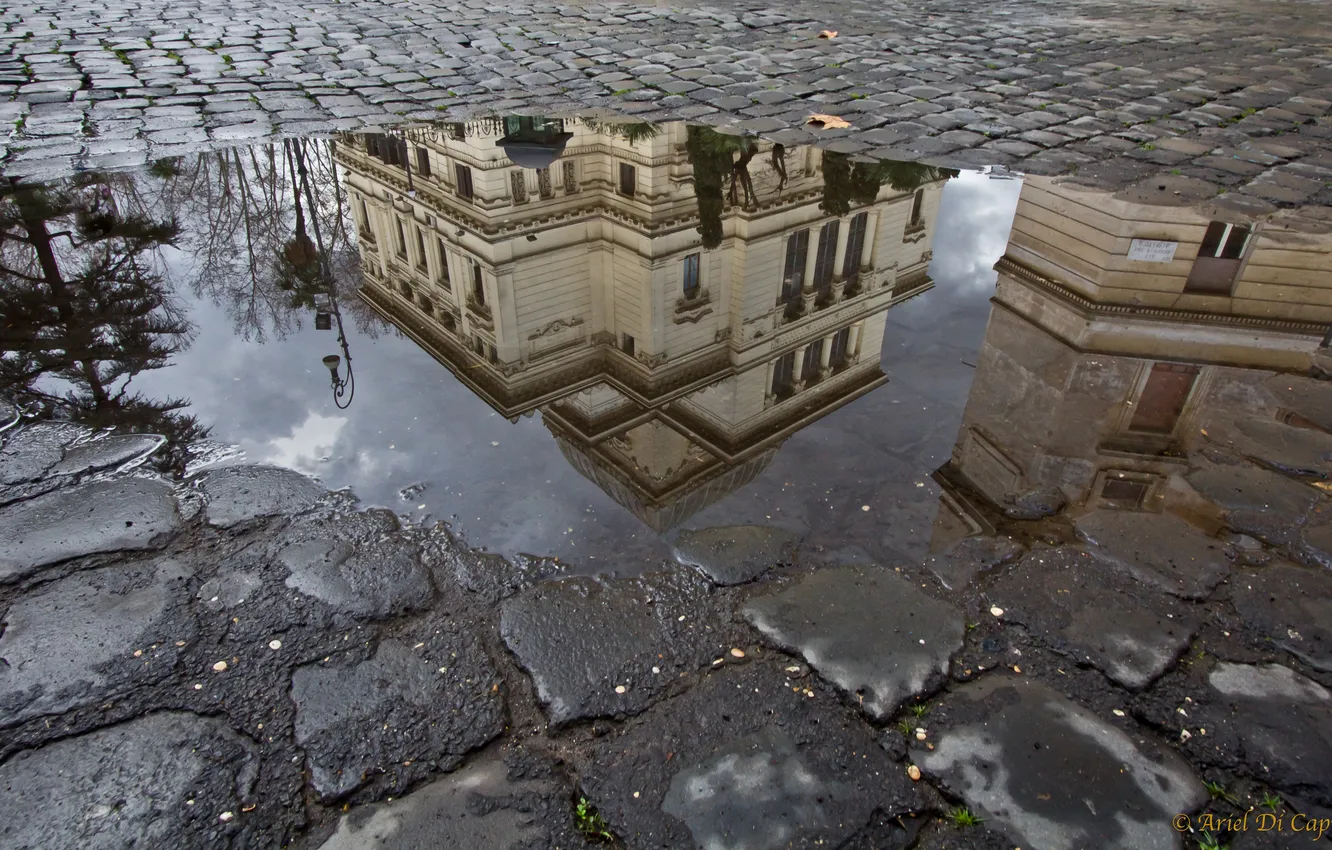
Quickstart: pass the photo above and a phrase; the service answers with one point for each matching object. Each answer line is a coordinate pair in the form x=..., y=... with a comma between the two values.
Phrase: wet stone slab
x=1096, y=612
x=1158, y=548
x=1291, y=606
x=127, y=786
x=241, y=493
x=357, y=716
x=735, y=554
x=1277, y=723
x=1254, y=500
x=591, y=645
x=371, y=580
x=743, y=760
x=866, y=629
x=71, y=643
x=30, y=451
x=1299, y=451
x=106, y=452
x=475, y=806
x=103, y=516
x=1055, y=776
x=970, y=557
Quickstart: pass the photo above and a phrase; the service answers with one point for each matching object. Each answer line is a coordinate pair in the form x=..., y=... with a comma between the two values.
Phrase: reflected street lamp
x=326, y=306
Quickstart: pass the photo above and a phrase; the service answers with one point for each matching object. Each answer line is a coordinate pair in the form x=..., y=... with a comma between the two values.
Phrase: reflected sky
x=507, y=487
x=418, y=441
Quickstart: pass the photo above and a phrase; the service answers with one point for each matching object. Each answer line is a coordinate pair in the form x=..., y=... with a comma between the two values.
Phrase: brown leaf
x=828, y=34
x=820, y=121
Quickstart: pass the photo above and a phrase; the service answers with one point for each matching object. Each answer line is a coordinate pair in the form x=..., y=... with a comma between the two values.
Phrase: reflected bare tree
x=249, y=214
x=85, y=308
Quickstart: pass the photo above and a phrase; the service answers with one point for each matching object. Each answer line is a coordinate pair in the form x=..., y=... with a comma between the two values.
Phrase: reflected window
x=917, y=210
x=478, y=284
x=691, y=286
x=855, y=246
x=626, y=343
x=450, y=324
x=823, y=263
x=491, y=354
x=423, y=162
x=1125, y=493
x=837, y=357
x=420, y=249
x=783, y=375
x=443, y=277
x=1163, y=396
x=389, y=150
x=427, y=306
x=402, y=238
x=367, y=232
x=809, y=367
x=463, y=177
x=1219, y=258
x=628, y=179
x=793, y=277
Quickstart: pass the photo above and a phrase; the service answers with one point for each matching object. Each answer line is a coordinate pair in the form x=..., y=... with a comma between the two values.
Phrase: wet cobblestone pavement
x=776, y=518
x=1231, y=93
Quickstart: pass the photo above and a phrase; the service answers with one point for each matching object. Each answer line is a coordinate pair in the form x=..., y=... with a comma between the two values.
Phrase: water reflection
x=671, y=329
x=1140, y=338
x=86, y=307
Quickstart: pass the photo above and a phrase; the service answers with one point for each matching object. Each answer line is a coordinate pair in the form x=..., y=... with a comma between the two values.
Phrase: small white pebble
x=275, y=644
x=198, y=687
x=737, y=653
x=220, y=667
x=225, y=817
x=997, y=611
x=864, y=507
x=1118, y=712
x=619, y=689
x=656, y=669
x=635, y=795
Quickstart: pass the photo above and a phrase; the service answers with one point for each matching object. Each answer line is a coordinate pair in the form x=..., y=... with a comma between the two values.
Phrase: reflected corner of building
x=671, y=342
x=1128, y=330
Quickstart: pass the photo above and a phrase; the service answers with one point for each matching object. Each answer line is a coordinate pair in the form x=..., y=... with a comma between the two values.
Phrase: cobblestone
x=1095, y=80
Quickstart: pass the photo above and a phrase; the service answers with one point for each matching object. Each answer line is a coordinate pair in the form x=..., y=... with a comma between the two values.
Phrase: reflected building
x=596, y=273
x=1126, y=332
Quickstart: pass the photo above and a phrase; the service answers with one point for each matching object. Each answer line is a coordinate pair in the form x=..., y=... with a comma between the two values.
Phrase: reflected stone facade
x=1109, y=364
x=1155, y=270
x=675, y=302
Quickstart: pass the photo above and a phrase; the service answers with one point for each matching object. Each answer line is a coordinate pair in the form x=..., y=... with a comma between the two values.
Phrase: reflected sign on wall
x=1152, y=251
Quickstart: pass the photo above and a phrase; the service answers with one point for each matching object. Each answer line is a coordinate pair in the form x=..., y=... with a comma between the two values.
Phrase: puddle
x=564, y=336
x=577, y=337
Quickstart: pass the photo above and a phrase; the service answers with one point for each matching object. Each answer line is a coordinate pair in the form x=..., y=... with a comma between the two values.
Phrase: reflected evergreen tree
x=712, y=154
x=85, y=310
x=846, y=182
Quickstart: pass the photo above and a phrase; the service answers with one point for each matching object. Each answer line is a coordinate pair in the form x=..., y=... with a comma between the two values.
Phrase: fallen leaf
x=828, y=34
x=820, y=121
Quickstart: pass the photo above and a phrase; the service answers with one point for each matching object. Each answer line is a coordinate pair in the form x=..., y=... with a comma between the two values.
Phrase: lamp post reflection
x=327, y=309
